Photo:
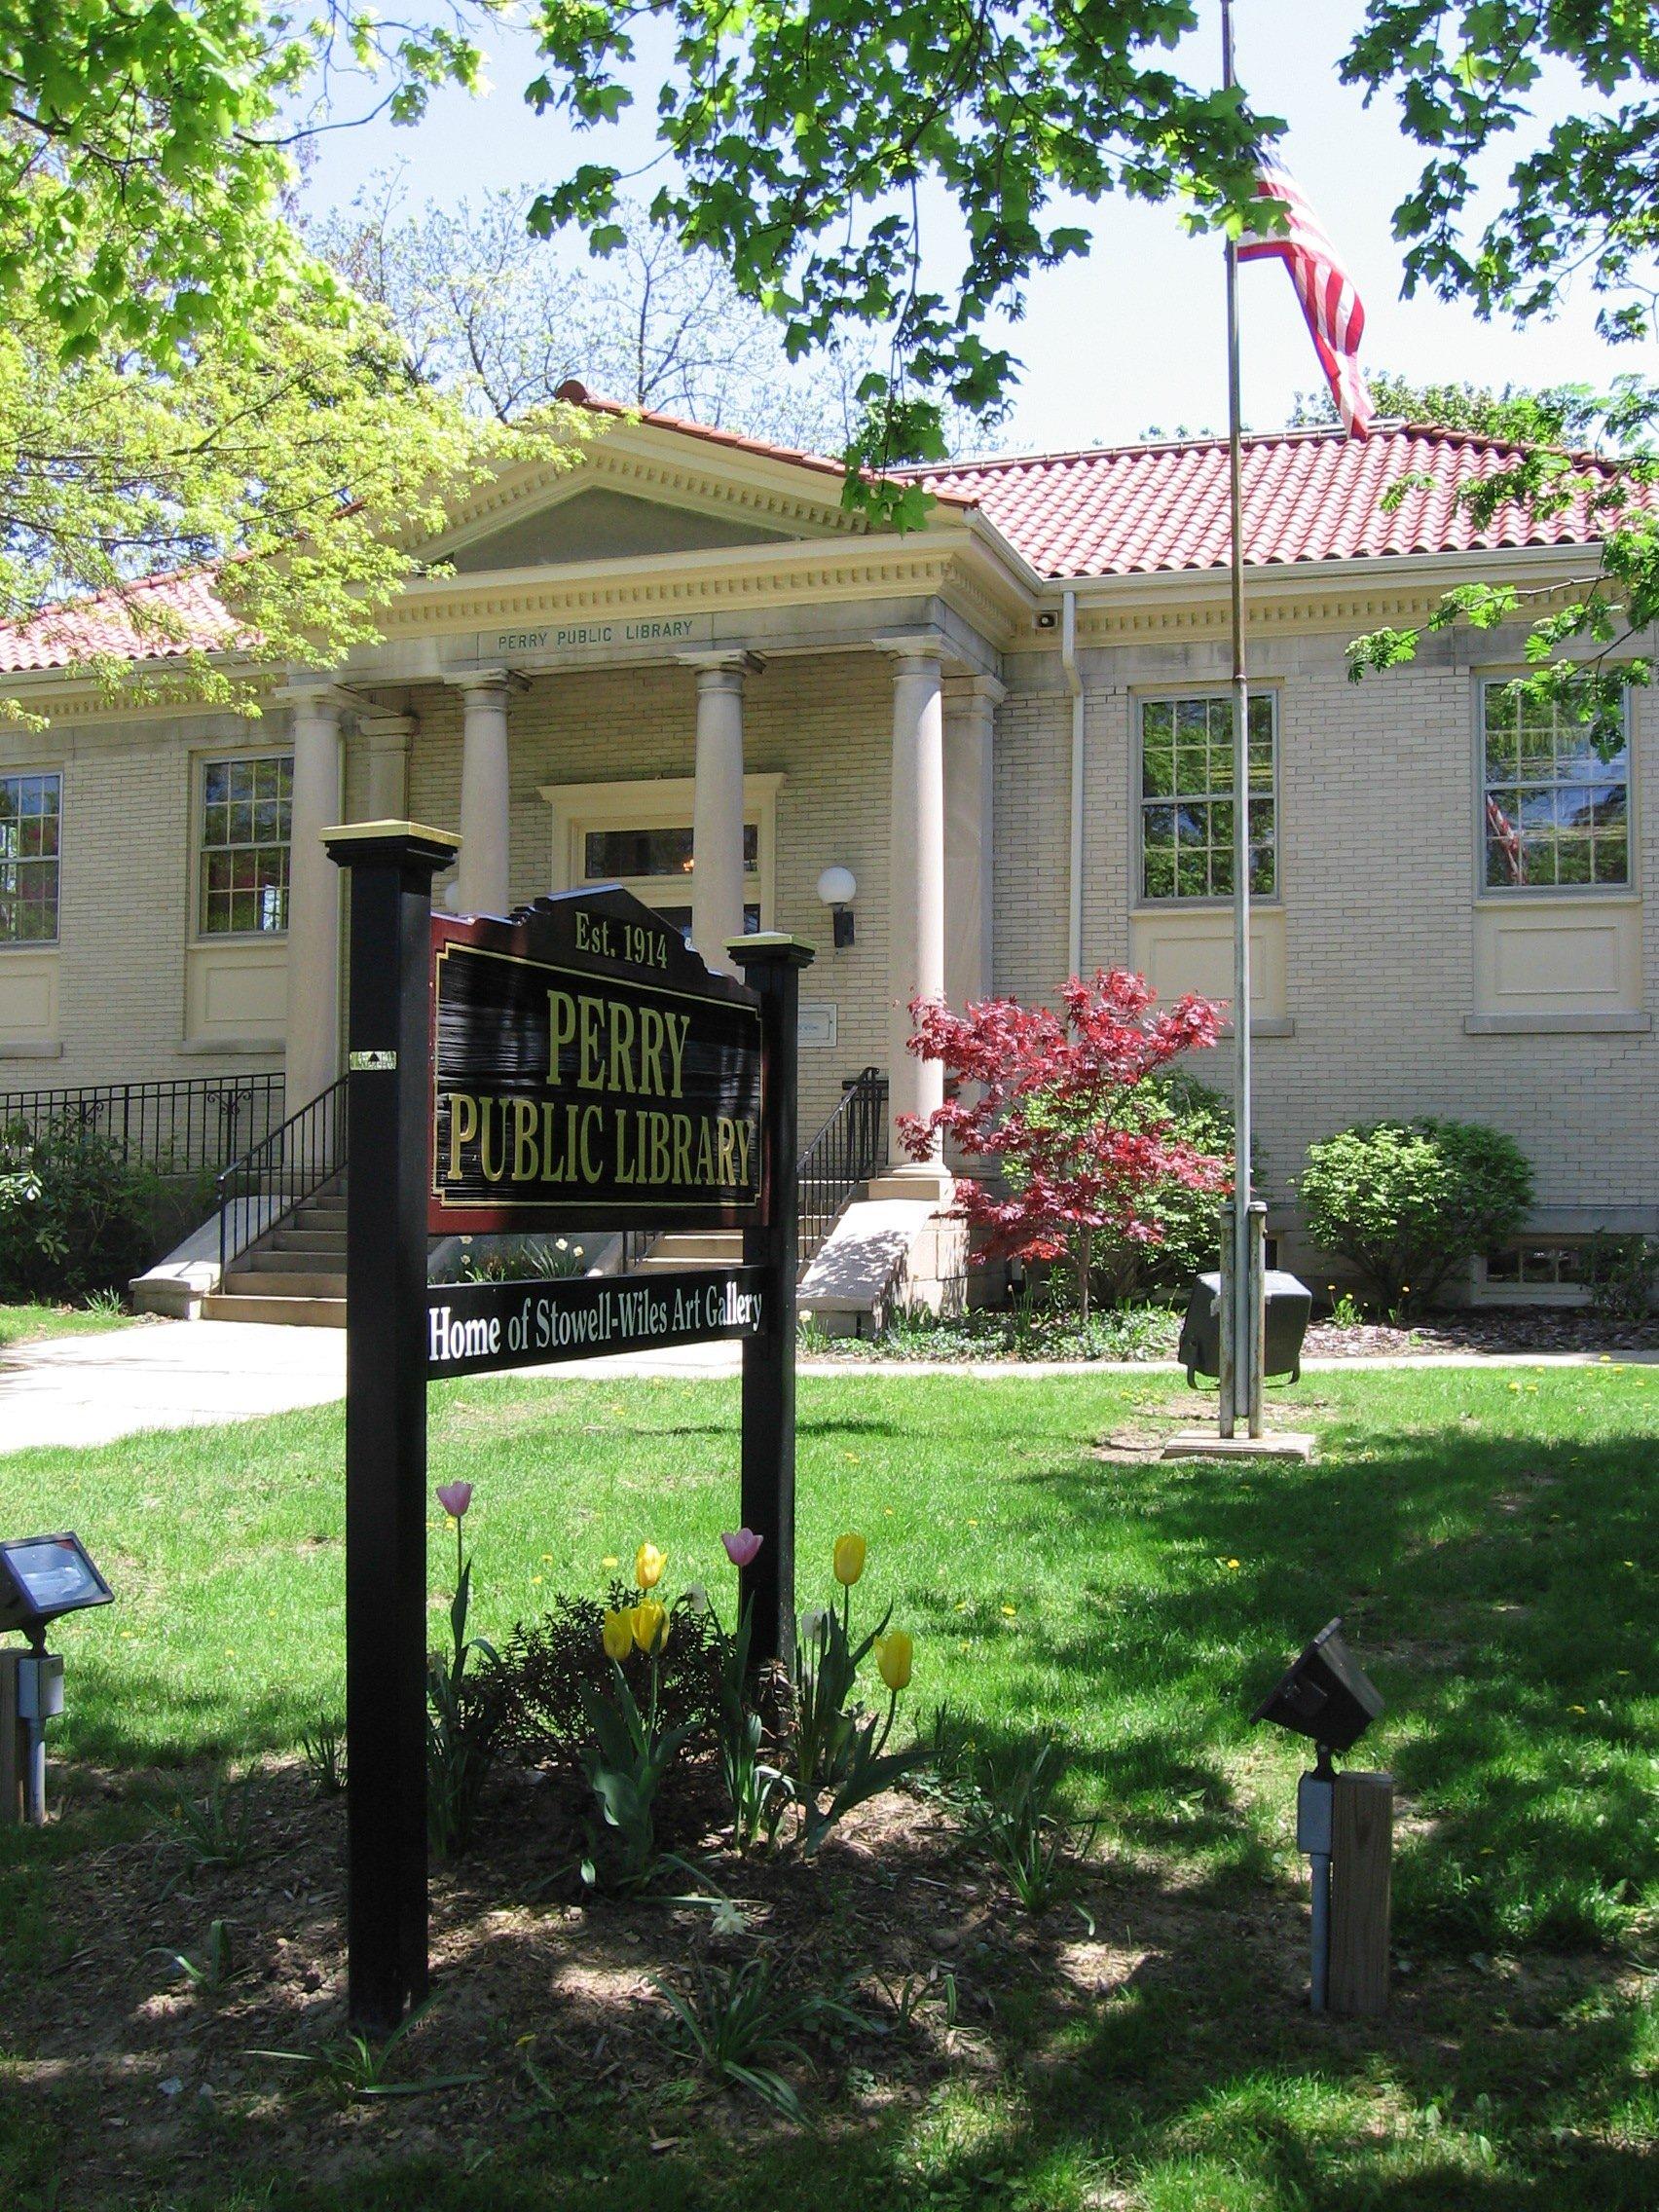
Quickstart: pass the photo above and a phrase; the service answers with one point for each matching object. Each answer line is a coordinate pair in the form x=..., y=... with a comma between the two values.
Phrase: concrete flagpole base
x=1205, y=1443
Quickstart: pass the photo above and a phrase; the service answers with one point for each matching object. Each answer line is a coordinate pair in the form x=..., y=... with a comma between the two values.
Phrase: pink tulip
x=742, y=1544
x=455, y=1499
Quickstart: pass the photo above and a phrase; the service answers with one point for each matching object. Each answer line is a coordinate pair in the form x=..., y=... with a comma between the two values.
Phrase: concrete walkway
x=81, y=1391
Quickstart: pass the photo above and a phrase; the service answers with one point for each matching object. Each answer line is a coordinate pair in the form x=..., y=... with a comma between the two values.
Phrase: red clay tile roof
x=1308, y=496
x=1119, y=511
x=64, y=635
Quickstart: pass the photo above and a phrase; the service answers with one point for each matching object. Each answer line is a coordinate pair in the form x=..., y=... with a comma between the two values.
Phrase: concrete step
x=297, y=1313
x=260, y=1283
x=690, y=1246
x=306, y=1239
x=316, y=1217
x=330, y=1260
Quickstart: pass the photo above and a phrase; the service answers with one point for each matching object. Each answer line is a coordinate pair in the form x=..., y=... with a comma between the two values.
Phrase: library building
x=964, y=760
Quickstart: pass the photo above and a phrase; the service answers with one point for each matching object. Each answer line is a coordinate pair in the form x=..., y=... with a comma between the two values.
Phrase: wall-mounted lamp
x=838, y=887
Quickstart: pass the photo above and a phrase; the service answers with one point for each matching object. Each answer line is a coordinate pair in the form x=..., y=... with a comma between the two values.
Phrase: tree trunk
x=1085, y=1254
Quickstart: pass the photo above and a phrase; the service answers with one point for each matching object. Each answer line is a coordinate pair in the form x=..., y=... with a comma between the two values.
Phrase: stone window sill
x=230, y=1048
x=30, y=1049
x=1622, y=1022
x=1267, y=1025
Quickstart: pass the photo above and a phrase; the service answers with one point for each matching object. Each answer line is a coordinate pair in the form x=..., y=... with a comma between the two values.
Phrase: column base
x=915, y=1179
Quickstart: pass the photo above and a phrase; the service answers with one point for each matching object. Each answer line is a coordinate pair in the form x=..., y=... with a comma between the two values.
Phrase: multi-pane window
x=656, y=864
x=1187, y=817
x=247, y=804
x=30, y=810
x=1557, y=793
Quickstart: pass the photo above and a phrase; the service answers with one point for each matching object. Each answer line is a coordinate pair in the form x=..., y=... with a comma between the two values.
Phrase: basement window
x=1534, y=1272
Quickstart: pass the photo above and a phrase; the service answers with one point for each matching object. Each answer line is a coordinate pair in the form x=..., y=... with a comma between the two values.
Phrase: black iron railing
x=178, y=1127
x=848, y=1150
x=274, y=1177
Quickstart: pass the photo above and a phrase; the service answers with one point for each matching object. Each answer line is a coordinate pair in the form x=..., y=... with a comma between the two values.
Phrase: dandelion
x=1011, y=1613
x=1231, y=1567
x=611, y=1560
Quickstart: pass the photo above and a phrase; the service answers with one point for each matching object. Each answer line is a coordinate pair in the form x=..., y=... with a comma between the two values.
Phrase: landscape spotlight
x=1326, y=1695
x=43, y=1576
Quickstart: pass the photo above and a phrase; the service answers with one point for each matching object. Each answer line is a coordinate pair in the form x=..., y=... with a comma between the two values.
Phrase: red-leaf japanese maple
x=1044, y=1099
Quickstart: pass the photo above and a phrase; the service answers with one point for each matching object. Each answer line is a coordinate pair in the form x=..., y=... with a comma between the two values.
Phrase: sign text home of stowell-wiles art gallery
x=587, y=1065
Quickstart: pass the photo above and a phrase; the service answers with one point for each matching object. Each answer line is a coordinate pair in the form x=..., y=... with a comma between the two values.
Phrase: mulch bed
x=1497, y=1331
x=141, y=2078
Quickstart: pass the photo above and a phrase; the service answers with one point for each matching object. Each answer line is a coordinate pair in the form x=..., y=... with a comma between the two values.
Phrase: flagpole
x=1245, y=1365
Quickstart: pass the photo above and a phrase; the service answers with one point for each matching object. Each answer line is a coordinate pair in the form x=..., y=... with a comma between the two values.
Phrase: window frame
x=1152, y=694
x=203, y=761
x=36, y=771
x=653, y=802
x=1512, y=894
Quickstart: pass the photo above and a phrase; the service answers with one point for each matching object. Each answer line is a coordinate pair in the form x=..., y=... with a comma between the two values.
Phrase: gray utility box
x=1289, y=1303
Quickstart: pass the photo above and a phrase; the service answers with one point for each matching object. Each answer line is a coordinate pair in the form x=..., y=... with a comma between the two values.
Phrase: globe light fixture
x=838, y=887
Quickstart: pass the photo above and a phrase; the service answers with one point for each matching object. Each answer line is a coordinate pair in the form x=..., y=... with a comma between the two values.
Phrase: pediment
x=599, y=522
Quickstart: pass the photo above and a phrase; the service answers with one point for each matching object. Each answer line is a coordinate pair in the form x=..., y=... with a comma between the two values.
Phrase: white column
x=915, y=884
x=387, y=736
x=971, y=704
x=312, y=1057
x=482, y=874
x=717, y=807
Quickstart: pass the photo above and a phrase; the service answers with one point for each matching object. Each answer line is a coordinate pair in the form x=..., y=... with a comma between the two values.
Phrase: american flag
x=1336, y=320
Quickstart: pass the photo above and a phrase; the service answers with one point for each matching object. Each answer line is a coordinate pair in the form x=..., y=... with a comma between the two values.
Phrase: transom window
x=1187, y=816
x=1557, y=793
x=654, y=862
x=30, y=811
x=247, y=811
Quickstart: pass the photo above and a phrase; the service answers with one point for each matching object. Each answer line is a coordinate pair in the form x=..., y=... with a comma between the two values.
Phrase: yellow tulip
x=893, y=1654
x=650, y=1625
x=648, y=1564
x=849, y=1560
x=618, y=1634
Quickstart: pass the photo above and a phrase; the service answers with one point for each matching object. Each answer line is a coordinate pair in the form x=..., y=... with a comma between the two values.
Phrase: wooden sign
x=470, y=1046
x=589, y=1072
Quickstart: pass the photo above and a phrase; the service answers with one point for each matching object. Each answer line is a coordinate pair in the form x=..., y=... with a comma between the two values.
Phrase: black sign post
x=573, y=1065
x=390, y=867
x=772, y=966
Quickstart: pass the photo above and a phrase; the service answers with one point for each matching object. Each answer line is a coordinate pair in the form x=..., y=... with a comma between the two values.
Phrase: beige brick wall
x=1376, y=828
x=125, y=894
x=1376, y=807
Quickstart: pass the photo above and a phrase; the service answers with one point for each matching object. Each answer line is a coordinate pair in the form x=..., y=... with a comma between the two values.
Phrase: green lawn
x=28, y=1323
x=1492, y=1539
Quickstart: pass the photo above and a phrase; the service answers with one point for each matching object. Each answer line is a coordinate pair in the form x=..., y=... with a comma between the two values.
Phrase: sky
x=1130, y=341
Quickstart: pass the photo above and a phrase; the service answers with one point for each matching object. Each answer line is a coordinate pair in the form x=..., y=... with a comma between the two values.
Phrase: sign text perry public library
x=583, y=1059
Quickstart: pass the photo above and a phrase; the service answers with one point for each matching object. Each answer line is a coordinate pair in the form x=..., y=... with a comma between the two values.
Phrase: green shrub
x=76, y=1216
x=1128, y=1272
x=1409, y=1201
x=1621, y=1273
x=546, y=1665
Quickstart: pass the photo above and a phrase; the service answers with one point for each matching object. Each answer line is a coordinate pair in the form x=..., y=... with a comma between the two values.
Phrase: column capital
x=470, y=680
x=301, y=690
x=387, y=727
x=988, y=689
x=709, y=661
x=913, y=645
